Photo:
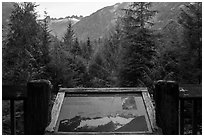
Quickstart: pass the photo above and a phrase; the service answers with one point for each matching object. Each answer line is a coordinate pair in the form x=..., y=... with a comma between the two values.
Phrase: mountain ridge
x=98, y=24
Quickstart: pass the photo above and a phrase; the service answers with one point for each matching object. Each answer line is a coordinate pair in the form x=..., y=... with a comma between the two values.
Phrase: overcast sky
x=63, y=9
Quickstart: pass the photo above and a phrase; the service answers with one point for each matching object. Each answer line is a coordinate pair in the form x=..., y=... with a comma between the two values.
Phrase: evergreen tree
x=88, y=49
x=138, y=45
x=98, y=72
x=191, y=20
x=169, y=52
x=76, y=50
x=45, y=38
x=55, y=65
x=69, y=37
x=22, y=44
x=70, y=66
x=111, y=54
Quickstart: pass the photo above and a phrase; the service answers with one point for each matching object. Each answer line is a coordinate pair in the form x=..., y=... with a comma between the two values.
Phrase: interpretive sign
x=101, y=112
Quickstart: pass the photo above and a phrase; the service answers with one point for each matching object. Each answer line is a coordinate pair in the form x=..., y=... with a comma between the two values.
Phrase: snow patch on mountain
x=64, y=20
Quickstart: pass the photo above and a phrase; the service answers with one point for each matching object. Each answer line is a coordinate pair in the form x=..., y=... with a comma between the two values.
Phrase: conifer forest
x=134, y=52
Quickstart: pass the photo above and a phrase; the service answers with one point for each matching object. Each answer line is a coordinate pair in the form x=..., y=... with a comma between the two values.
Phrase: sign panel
x=103, y=113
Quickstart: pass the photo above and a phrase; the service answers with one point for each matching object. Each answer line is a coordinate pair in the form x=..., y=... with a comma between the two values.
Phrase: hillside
x=58, y=26
x=98, y=24
x=167, y=11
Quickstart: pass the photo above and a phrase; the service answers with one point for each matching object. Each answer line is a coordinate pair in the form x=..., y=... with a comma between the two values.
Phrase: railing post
x=194, y=116
x=166, y=96
x=12, y=117
x=37, y=107
x=181, y=117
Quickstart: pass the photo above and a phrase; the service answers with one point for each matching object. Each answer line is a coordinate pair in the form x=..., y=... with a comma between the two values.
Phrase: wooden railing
x=191, y=94
x=13, y=93
x=170, y=105
x=36, y=99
